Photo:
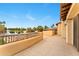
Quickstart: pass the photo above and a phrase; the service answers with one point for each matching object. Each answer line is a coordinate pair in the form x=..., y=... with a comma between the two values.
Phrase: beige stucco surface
x=13, y=48
x=68, y=29
x=69, y=32
x=59, y=29
x=49, y=33
x=74, y=10
x=50, y=46
x=63, y=29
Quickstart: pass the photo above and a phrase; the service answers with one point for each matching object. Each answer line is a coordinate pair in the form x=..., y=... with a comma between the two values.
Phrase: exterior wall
x=59, y=29
x=15, y=47
x=63, y=29
x=74, y=10
x=69, y=32
x=49, y=33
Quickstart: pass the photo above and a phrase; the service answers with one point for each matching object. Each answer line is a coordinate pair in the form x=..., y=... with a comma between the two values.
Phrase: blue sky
x=29, y=14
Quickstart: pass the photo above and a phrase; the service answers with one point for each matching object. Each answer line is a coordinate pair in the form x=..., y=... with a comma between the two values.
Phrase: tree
x=11, y=31
x=30, y=29
x=34, y=29
x=52, y=26
x=17, y=30
x=46, y=27
x=39, y=28
x=21, y=30
x=2, y=27
x=2, y=23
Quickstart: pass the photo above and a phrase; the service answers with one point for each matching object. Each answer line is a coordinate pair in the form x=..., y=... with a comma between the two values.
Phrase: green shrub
x=1, y=41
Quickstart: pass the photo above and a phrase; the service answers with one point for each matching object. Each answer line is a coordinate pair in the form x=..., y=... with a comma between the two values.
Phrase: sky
x=29, y=14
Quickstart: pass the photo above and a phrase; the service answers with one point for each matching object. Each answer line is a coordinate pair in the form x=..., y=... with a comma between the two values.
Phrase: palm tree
x=52, y=26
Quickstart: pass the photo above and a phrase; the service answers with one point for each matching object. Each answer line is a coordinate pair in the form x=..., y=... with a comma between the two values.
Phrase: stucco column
x=63, y=29
x=69, y=32
x=59, y=29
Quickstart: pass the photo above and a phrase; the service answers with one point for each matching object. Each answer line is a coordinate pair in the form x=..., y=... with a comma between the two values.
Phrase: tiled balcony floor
x=50, y=46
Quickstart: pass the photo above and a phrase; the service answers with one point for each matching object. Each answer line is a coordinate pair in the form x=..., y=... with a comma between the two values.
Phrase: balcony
x=12, y=44
x=50, y=46
x=9, y=38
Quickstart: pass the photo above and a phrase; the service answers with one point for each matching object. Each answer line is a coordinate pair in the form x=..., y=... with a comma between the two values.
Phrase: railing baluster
x=16, y=37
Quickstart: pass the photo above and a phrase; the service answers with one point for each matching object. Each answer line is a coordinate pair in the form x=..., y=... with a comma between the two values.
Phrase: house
x=69, y=23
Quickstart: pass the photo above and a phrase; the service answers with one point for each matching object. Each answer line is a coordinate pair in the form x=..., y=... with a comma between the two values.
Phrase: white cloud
x=29, y=17
x=47, y=18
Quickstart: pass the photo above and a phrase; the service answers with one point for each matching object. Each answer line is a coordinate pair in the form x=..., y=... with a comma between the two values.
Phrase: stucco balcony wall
x=49, y=33
x=15, y=47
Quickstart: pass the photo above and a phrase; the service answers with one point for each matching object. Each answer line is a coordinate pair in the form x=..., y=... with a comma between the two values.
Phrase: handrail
x=8, y=38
